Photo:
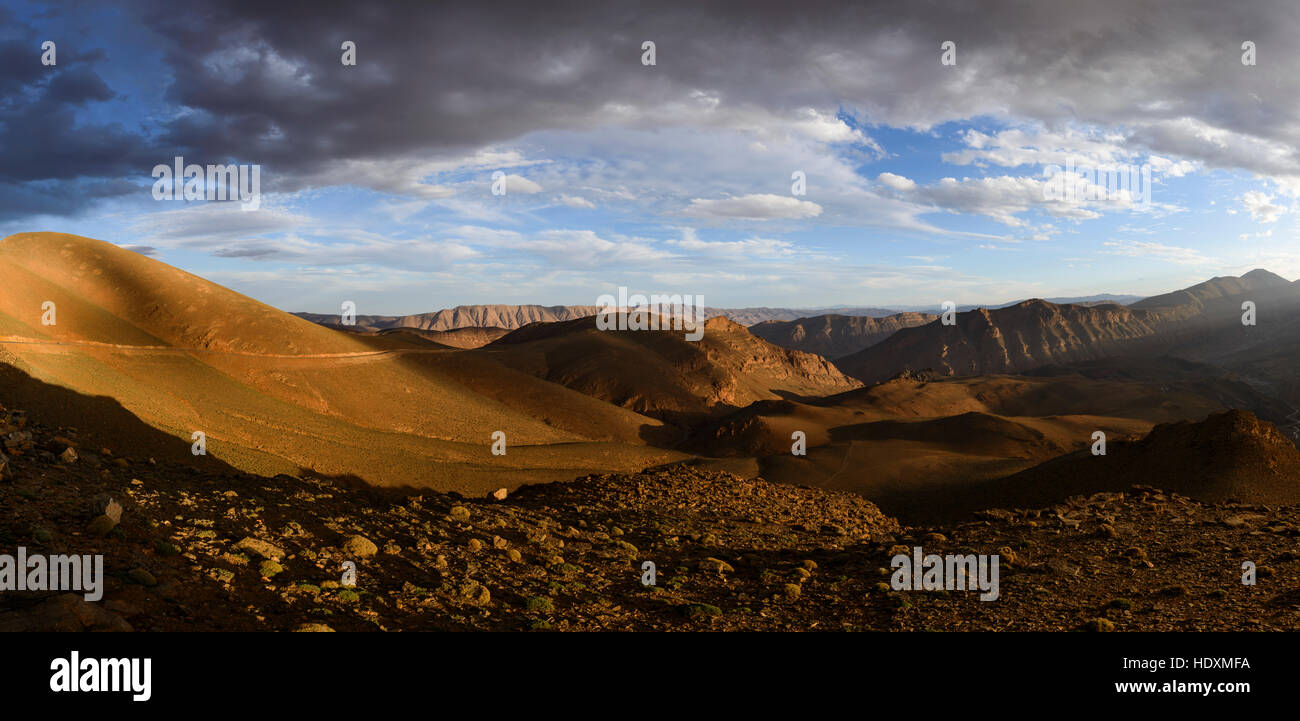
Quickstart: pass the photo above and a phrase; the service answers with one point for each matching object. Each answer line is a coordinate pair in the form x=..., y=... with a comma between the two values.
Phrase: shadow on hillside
x=100, y=421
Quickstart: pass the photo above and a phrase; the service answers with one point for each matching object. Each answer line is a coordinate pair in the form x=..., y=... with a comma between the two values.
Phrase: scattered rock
x=142, y=577
x=269, y=568
x=696, y=610
x=716, y=565
x=1063, y=567
x=261, y=548
x=1099, y=624
x=360, y=546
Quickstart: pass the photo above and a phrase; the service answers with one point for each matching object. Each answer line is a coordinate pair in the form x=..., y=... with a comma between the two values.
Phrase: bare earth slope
x=274, y=393
x=834, y=336
x=1230, y=456
x=205, y=551
x=660, y=373
x=1006, y=340
x=922, y=449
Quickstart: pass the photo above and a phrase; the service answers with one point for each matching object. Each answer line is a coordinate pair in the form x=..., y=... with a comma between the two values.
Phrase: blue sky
x=925, y=182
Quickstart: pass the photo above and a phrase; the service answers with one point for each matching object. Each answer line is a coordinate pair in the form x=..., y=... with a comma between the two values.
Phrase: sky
x=930, y=172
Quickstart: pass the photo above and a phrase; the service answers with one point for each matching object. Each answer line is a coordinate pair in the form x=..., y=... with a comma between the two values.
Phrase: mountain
x=1201, y=322
x=1006, y=340
x=508, y=317
x=1217, y=293
x=833, y=336
x=752, y=316
x=511, y=317
x=660, y=373
x=274, y=393
x=1095, y=299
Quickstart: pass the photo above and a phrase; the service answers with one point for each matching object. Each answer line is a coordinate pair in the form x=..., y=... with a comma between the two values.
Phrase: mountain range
x=901, y=408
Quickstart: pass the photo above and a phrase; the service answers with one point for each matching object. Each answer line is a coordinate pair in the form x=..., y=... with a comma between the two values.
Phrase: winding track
x=19, y=340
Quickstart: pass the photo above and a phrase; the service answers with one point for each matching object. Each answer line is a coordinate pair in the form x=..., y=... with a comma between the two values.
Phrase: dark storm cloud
x=268, y=83
x=262, y=82
x=56, y=163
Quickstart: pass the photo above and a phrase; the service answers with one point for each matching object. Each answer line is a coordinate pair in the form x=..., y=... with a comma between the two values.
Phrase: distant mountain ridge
x=833, y=336
x=1035, y=333
x=511, y=317
x=1095, y=299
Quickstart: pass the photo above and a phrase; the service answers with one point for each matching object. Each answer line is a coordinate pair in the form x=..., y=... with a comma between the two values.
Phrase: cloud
x=1157, y=251
x=574, y=201
x=896, y=182
x=747, y=248
x=252, y=82
x=519, y=184
x=759, y=206
x=1261, y=207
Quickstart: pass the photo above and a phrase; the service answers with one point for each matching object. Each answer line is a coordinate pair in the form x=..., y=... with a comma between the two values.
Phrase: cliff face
x=835, y=336
x=1012, y=339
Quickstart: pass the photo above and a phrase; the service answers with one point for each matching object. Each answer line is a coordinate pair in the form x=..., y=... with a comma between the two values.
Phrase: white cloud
x=759, y=206
x=520, y=184
x=747, y=248
x=1157, y=251
x=896, y=182
x=1261, y=207
x=575, y=201
x=213, y=222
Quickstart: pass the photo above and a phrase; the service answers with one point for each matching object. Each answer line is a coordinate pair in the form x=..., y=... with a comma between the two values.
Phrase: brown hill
x=834, y=336
x=274, y=393
x=107, y=294
x=456, y=338
x=925, y=450
x=1229, y=456
x=660, y=373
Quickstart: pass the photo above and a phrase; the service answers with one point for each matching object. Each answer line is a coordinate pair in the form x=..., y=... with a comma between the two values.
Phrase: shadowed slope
x=275, y=393
x=834, y=336
x=660, y=373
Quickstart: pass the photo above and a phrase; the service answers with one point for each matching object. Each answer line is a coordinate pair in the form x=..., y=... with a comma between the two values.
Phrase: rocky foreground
x=185, y=550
